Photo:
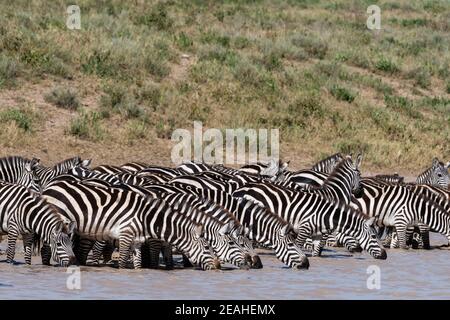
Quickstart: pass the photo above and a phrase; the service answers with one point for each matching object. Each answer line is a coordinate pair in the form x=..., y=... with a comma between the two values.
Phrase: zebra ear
x=286, y=229
x=226, y=228
x=59, y=227
x=371, y=221
x=86, y=163
x=435, y=162
x=199, y=230
x=358, y=161
x=71, y=227
x=447, y=165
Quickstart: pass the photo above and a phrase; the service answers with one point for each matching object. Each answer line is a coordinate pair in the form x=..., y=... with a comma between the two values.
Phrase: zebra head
x=355, y=175
x=436, y=175
x=30, y=179
x=246, y=243
x=440, y=176
x=287, y=250
x=228, y=249
x=200, y=252
x=61, y=244
x=369, y=240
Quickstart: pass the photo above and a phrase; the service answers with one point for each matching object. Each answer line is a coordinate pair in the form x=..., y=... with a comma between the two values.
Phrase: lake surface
x=406, y=274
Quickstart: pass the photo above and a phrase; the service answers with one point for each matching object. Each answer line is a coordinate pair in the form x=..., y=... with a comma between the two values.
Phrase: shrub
x=313, y=46
x=64, y=98
x=386, y=65
x=158, y=18
x=9, y=70
x=87, y=126
x=341, y=93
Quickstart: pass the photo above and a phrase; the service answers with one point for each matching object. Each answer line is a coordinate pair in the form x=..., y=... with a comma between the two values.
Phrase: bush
x=341, y=93
x=118, y=99
x=313, y=46
x=386, y=65
x=87, y=126
x=9, y=70
x=158, y=18
x=64, y=98
x=22, y=118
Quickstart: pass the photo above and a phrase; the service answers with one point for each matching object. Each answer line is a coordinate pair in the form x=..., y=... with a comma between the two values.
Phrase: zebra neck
x=346, y=219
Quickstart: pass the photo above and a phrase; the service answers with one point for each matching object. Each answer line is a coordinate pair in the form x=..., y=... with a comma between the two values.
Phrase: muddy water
x=411, y=274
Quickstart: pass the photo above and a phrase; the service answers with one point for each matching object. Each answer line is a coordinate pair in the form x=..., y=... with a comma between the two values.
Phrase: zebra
x=397, y=206
x=15, y=169
x=436, y=175
x=200, y=182
x=103, y=213
x=305, y=177
x=45, y=174
x=340, y=185
x=23, y=212
x=390, y=178
x=110, y=169
x=260, y=225
x=222, y=233
x=134, y=167
x=319, y=214
x=220, y=213
x=192, y=167
x=328, y=164
x=159, y=171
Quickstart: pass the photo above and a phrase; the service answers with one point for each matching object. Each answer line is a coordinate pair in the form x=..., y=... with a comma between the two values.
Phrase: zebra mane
x=333, y=174
x=335, y=156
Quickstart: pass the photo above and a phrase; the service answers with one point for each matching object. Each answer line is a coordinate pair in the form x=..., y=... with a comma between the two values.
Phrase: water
x=411, y=274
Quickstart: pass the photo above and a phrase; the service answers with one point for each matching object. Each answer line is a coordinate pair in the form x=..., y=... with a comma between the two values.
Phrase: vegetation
x=310, y=68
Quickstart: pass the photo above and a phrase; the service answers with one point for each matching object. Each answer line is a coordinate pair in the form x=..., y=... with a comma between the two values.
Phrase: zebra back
x=328, y=164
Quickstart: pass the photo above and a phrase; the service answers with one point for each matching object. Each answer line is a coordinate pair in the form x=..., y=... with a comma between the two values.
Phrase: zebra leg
x=97, y=251
x=137, y=260
x=27, y=243
x=125, y=242
x=13, y=234
x=154, y=248
x=108, y=251
x=85, y=245
x=186, y=262
x=167, y=255
x=409, y=235
x=318, y=246
x=388, y=239
x=145, y=255
x=401, y=235
x=424, y=231
x=46, y=254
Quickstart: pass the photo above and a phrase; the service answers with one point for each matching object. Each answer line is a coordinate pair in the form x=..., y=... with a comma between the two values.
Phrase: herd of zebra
x=212, y=214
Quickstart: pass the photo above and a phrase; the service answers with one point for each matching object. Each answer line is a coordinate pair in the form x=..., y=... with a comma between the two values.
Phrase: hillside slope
x=116, y=89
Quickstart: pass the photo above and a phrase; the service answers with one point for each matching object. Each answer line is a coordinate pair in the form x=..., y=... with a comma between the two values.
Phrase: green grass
x=310, y=68
x=23, y=118
x=87, y=126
